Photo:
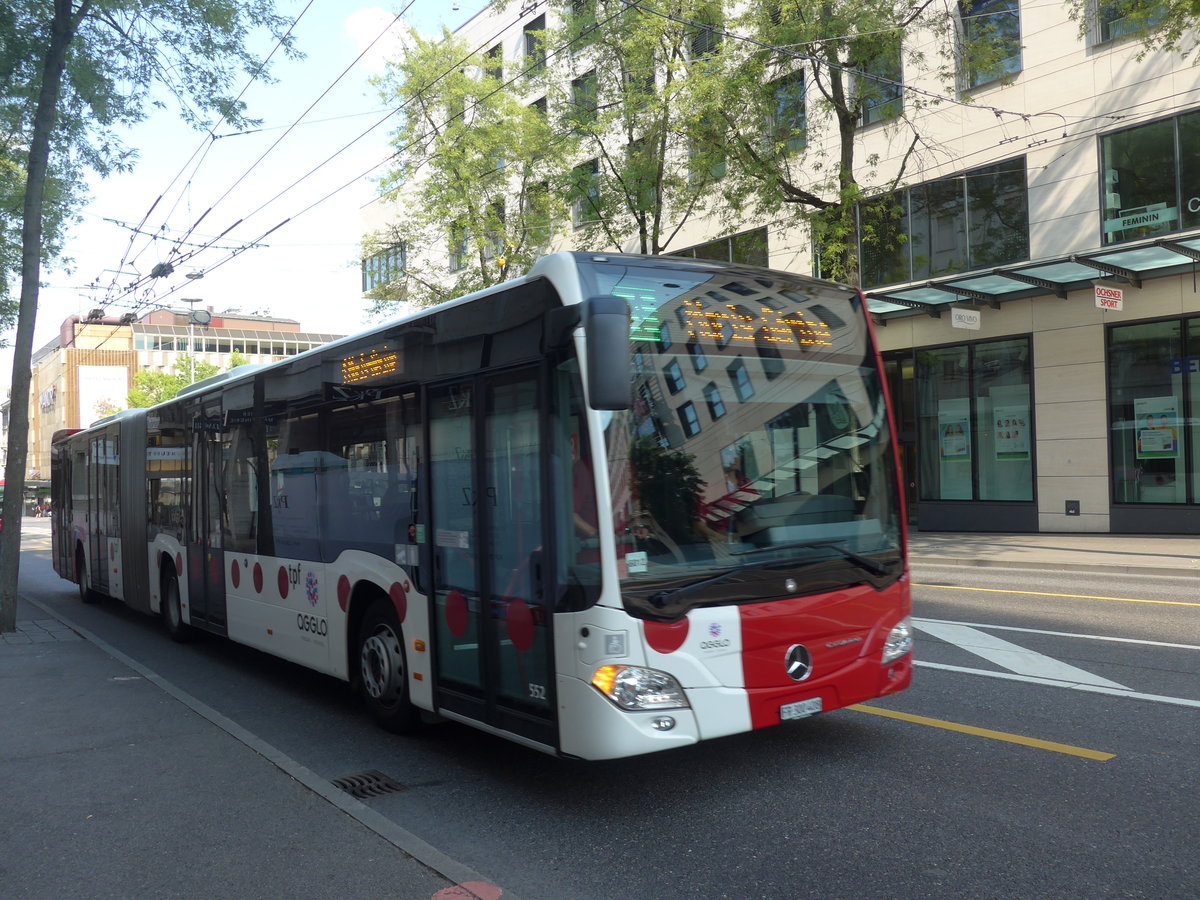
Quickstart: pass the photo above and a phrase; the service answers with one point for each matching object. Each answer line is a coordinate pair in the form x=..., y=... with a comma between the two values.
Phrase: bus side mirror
x=606, y=328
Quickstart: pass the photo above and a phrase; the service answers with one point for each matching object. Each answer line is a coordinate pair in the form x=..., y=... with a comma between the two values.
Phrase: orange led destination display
x=726, y=326
x=369, y=365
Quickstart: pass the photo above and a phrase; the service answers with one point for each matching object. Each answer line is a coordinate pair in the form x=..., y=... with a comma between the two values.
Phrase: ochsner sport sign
x=1109, y=297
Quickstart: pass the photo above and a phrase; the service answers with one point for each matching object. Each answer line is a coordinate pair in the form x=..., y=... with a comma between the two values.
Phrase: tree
x=478, y=173
x=151, y=386
x=73, y=71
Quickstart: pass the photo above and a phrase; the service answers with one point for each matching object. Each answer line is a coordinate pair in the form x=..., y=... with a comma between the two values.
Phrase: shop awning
x=1127, y=263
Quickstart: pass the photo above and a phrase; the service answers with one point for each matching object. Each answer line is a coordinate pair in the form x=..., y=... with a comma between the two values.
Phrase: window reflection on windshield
x=757, y=422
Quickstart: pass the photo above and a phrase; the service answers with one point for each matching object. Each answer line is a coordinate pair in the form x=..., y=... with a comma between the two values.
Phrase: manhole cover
x=366, y=785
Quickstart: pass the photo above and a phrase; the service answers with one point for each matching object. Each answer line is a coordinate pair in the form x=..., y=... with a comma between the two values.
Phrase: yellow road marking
x=986, y=732
x=951, y=587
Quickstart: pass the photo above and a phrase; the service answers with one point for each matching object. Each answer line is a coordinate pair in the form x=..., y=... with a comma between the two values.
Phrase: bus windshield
x=755, y=460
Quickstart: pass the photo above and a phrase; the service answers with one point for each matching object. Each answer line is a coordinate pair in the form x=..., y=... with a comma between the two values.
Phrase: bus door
x=492, y=607
x=102, y=518
x=206, y=562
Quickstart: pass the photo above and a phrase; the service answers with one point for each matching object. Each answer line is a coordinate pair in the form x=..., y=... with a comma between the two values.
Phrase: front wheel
x=172, y=612
x=383, y=675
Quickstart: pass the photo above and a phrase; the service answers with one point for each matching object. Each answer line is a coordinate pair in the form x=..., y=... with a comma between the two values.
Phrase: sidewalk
x=116, y=784
x=1144, y=554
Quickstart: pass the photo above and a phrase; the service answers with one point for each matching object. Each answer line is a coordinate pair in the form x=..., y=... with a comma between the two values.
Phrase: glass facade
x=1151, y=179
x=975, y=421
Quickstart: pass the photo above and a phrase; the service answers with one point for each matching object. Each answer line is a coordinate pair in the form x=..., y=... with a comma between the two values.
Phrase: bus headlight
x=899, y=641
x=633, y=687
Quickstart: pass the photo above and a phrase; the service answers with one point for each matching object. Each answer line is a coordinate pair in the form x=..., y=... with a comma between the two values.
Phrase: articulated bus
x=618, y=505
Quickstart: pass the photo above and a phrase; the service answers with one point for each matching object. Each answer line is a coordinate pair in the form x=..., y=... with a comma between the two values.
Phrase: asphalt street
x=1046, y=749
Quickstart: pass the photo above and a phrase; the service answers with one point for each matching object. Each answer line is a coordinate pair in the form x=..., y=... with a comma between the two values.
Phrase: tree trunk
x=62, y=32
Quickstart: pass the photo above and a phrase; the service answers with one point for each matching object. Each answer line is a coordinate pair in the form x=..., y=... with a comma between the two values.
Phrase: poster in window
x=1012, y=432
x=955, y=439
x=1157, y=422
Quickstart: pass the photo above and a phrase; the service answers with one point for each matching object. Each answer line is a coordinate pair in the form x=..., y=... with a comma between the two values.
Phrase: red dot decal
x=283, y=582
x=457, y=617
x=235, y=574
x=519, y=621
x=400, y=601
x=343, y=592
x=258, y=578
x=666, y=638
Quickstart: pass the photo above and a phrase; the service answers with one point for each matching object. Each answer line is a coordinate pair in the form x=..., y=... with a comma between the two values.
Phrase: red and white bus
x=619, y=505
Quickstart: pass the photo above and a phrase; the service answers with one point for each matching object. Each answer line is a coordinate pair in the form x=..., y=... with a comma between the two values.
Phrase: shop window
x=975, y=421
x=1148, y=178
x=1150, y=408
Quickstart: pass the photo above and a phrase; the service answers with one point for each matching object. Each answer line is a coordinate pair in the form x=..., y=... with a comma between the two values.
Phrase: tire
x=86, y=594
x=383, y=669
x=172, y=613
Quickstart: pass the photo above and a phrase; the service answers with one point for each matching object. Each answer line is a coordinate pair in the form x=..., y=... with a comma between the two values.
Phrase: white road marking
x=1088, y=688
x=1010, y=656
x=1069, y=634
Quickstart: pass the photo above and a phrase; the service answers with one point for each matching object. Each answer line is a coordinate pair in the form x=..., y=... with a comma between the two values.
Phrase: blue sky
x=309, y=269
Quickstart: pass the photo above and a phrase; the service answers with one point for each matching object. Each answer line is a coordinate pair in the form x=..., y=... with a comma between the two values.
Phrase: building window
x=1154, y=408
x=992, y=32
x=974, y=220
x=585, y=193
x=383, y=268
x=583, y=100
x=707, y=159
x=689, y=419
x=535, y=46
x=880, y=86
x=975, y=421
x=581, y=24
x=1116, y=21
x=743, y=388
x=788, y=127
x=712, y=396
x=459, y=248
x=748, y=248
x=493, y=63
x=663, y=339
x=696, y=352
x=1148, y=178
x=706, y=37
x=673, y=375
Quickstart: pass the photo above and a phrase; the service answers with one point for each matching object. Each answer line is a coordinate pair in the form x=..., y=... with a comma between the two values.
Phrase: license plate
x=801, y=709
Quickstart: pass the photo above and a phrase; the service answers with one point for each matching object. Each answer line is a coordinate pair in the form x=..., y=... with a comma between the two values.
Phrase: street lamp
x=199, y=317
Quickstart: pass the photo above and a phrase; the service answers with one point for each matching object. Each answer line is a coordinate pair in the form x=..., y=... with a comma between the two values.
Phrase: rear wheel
x=383, y=674
x=86, y=594
x=172, y=612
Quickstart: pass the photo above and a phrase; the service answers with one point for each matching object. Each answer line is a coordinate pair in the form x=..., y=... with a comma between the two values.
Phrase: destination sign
x=370, y=365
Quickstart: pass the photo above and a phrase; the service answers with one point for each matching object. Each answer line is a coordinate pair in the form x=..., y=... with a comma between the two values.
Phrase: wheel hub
x=382, y=666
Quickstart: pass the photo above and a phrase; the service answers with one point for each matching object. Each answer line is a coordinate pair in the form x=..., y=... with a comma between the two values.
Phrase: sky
x=248, y=184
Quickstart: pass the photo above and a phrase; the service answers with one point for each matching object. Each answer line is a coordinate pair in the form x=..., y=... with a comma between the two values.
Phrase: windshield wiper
x=660, y=598
x=863, y=562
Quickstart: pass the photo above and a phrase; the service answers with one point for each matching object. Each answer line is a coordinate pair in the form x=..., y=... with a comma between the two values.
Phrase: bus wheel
x=172, y=612
x=383, y=675
x=86, y=594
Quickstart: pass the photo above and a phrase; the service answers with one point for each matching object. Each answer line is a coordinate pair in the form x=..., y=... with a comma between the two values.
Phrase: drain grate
x=366, y=785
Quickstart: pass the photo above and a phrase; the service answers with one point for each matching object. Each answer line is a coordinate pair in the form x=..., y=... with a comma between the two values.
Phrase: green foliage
x=151, y=387
x=474, y=164
x=71, y=72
